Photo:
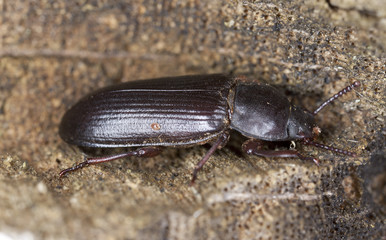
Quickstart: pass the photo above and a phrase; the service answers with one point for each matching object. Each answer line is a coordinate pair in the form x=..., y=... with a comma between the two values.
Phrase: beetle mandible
x=189, y=110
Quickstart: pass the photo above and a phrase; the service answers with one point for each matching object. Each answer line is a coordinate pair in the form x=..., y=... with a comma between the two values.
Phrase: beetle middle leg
x=254, y=147
x=221, y=141
x=141, y=152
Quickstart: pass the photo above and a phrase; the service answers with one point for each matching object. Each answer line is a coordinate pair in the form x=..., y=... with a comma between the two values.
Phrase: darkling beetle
x=189, y=110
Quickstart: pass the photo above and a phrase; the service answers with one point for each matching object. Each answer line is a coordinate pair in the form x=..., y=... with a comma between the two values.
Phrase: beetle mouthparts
x=330, y=148
x=316, y=130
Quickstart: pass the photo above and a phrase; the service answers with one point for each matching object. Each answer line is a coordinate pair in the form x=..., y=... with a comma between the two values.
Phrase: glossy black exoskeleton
x=189, y=110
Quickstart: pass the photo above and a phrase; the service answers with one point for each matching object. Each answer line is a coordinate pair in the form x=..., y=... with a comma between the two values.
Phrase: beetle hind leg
x=141, y=152
x=254, y=147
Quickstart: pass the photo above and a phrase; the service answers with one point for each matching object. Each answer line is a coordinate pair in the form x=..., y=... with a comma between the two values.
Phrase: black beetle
x=189, y=110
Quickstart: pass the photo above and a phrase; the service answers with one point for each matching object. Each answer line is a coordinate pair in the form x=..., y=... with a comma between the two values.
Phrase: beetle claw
x=71, y=169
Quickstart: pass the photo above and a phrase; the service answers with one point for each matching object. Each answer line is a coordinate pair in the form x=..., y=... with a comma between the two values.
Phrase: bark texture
x=54, y=52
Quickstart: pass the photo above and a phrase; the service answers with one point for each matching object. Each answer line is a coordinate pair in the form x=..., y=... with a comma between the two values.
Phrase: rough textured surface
x=52, y=53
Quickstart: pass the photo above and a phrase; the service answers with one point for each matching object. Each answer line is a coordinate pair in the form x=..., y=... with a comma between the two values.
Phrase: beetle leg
x=221, y=141
x=253, y=147
x=141, y=152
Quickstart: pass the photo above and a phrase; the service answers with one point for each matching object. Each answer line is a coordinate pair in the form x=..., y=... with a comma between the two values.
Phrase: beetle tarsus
x=141, y=152
x=304, y=158
x=71, y=169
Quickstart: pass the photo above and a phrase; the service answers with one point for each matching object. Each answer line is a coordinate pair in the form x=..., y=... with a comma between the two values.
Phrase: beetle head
x=301, y=124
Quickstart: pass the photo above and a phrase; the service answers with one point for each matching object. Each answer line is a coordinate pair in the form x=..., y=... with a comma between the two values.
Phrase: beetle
x=189, y=110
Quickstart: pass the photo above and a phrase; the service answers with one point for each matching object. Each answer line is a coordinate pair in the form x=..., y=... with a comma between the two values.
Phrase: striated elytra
x=189, y=110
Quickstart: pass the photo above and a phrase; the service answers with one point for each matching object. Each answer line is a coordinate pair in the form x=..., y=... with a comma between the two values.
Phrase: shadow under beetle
x=189, y=110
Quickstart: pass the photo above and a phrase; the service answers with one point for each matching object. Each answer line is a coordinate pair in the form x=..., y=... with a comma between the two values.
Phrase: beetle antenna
x=339, y=94
x=319, y=145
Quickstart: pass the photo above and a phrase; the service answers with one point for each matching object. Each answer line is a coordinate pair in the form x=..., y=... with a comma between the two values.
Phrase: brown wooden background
x=54, y=52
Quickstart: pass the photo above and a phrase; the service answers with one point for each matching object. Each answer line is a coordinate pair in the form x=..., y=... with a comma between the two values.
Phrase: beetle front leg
x=253, y=147
x=141, y=152
x=221, y=141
